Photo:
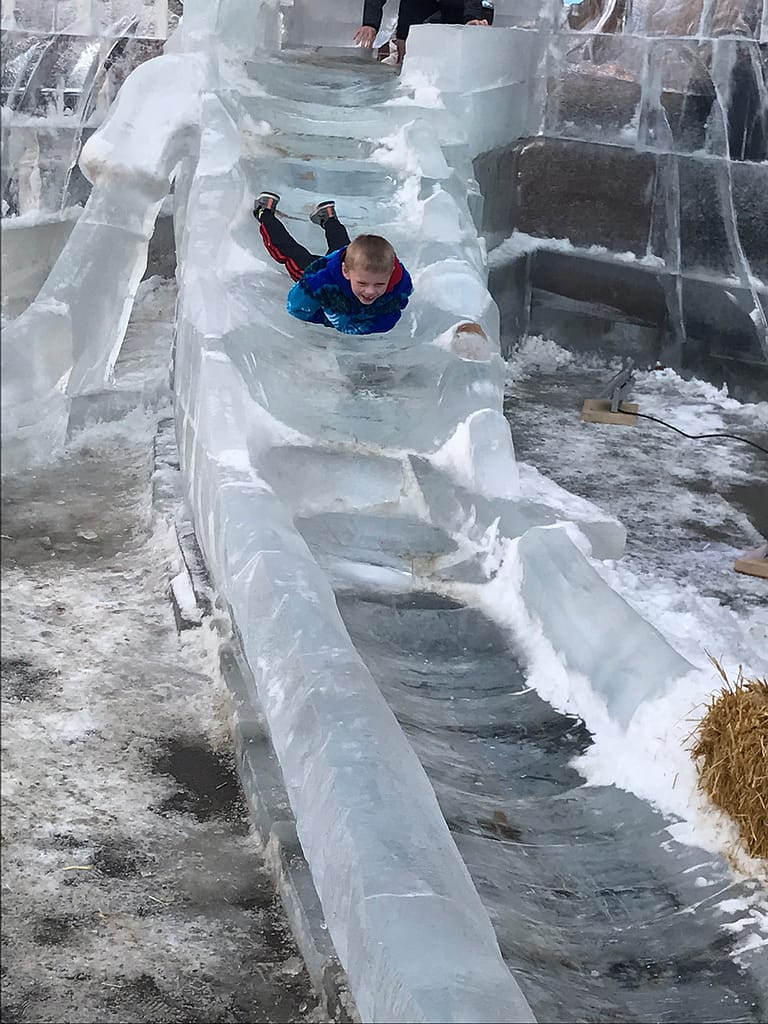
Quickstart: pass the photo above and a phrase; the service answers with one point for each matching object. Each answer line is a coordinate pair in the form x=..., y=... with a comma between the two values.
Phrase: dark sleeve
x=474, y=11
x=372, y=11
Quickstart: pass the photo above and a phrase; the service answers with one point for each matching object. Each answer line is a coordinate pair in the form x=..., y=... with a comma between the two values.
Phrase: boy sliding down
x=358, y=287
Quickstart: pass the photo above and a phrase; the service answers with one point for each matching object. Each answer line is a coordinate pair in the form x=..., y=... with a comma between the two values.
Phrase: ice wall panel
x=749, y=190
x=28, y=253
x=660, y=17
x=520, y=13
x=594, y=305
x=37, y=353
x=741, y=79
x=594, y=87
x=725, y=322
x=687, y=219
x=37, y=163
x=510, y=285
x=610, y=286
x=586, y=193
x=677, y=112
x=503, y=96
x=590, y=304
x=59, y=77
x=55, y=93
x=672, y=95
x=313, y=24
x=706, y=244
x=91, y=17
x=623, y=674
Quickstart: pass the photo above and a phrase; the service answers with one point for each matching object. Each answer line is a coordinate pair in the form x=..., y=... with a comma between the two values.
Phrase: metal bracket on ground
x=613, y=407
x=598, y=410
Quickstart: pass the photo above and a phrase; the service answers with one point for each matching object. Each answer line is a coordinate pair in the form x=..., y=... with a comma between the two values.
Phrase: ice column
x=89, y=294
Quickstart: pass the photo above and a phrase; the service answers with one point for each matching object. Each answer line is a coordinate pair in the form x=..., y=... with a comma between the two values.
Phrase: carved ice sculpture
x=279, y=421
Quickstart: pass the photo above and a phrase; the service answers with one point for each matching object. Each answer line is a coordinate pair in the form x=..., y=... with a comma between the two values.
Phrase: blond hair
x=370, y=252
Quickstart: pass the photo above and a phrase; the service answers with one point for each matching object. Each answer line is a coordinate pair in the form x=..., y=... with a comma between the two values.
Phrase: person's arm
x=476, y=13
x=371, y=23
x=303, y=304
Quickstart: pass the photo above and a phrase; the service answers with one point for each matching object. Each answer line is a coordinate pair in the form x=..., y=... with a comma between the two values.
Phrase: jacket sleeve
x=303, y=304
x=372, y=12
x=474, y=11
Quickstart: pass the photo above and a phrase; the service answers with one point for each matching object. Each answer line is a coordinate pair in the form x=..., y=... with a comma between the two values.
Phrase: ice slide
x=398, y=586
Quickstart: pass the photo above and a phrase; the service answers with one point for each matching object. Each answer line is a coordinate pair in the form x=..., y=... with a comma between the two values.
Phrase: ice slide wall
x=405, y=918
x=270, y=428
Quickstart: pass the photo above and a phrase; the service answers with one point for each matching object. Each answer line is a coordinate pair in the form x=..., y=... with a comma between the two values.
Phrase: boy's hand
x=365, y=36
x=477, y=21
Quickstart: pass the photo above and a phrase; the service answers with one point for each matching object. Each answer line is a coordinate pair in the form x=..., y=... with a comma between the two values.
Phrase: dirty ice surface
x=691, y=507
x=133, y=888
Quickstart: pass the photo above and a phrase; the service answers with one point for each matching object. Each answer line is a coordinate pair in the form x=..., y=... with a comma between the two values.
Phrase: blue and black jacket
x=324, y=296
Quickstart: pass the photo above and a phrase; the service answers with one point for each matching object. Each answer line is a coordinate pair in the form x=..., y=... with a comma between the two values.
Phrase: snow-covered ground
x=133, y=886
x=691, y=507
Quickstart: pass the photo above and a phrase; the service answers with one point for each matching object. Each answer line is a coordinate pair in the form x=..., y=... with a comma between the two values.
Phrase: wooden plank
x=752, y=566
x=598, y=410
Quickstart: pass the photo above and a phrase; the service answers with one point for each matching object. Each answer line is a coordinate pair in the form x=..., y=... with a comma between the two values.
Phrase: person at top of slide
x=416, y=12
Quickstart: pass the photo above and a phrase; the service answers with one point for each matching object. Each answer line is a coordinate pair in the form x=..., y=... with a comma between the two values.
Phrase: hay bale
x=731, y=754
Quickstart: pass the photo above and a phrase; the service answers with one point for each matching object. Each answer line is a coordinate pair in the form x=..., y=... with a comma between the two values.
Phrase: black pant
x=284, y=248
x=416, y=12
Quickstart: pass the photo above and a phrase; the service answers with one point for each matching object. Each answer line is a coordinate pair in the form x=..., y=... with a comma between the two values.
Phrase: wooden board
x=598, y=410
x=752, y=566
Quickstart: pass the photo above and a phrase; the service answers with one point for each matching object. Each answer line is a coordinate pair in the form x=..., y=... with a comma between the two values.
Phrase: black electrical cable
x=698, y=437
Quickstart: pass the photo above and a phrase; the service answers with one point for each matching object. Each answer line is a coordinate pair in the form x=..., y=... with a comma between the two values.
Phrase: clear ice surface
x=333, y=476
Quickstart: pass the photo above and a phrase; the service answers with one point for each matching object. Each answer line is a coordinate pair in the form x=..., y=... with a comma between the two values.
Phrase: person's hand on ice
x=365, y=36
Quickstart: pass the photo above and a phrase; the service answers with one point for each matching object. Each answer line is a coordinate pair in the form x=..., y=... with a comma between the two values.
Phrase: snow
x=33, y=218
x=650, y=758
x=521, y=243
x=184, y=594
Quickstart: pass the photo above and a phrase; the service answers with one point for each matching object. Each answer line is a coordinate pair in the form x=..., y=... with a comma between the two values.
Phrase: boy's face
x=366, y=285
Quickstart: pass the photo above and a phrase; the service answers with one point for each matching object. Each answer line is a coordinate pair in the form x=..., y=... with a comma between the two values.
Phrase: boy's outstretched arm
x=303, y=304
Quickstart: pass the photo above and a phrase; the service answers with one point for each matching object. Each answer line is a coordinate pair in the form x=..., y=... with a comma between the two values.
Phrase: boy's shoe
x=265, y=201
x=323, y=212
